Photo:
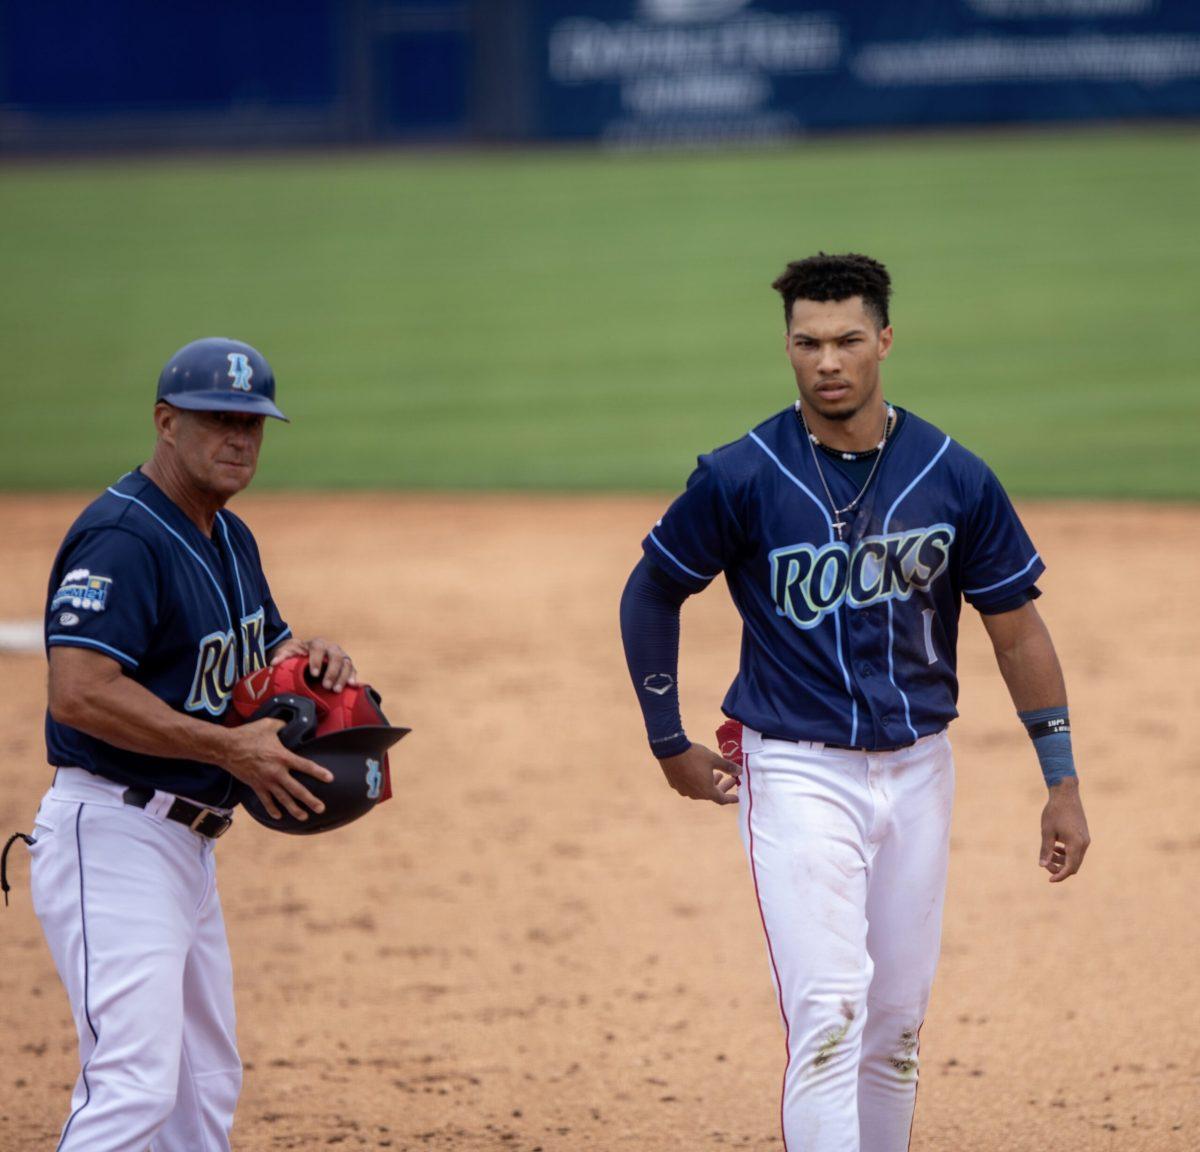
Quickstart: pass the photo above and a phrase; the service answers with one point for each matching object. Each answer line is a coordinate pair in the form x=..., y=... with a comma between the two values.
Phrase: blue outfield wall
x=107, y=73
x=629, y=72
x=82, y=56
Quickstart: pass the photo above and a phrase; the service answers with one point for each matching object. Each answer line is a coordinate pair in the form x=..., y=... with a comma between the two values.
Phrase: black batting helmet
x=357, y=757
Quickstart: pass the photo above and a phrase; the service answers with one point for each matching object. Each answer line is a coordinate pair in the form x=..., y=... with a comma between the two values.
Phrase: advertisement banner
x=645, y=72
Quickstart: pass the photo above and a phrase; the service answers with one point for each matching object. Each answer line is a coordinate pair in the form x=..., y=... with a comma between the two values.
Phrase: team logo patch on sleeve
x=81, y=589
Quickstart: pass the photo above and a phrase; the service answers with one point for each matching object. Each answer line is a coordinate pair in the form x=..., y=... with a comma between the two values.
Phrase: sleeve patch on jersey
x=82, y=589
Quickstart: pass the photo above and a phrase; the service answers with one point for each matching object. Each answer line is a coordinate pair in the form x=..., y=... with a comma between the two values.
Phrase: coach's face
x=216, y=452
x=836, y=347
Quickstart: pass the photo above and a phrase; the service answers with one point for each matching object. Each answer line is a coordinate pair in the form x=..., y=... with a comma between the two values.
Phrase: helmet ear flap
x=299, y=716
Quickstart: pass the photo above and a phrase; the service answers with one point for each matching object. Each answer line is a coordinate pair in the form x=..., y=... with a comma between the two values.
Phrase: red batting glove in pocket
x=729, y=742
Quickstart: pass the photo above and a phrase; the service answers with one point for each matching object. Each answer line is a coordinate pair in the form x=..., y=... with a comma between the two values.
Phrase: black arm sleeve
x=650, y=608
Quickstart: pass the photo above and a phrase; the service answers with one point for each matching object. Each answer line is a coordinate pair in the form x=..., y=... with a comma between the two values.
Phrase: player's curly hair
x=825, y=277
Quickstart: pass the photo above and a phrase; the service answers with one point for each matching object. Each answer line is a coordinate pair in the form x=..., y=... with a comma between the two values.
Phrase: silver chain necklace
x=839, y=524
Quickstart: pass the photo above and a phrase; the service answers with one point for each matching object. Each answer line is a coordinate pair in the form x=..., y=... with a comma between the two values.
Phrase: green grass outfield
x=583, y=320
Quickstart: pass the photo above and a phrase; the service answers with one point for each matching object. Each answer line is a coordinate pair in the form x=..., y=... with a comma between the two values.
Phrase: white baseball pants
x=128, y=903
x=849, y=852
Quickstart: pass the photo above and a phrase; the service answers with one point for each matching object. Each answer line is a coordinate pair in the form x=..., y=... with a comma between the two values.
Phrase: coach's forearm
x=1027, y=660
x=89, y=692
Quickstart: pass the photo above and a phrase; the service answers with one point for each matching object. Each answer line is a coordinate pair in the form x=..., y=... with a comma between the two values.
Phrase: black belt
x=204, y=821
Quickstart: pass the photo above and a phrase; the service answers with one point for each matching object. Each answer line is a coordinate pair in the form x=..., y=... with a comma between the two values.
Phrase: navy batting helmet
x=219, y=375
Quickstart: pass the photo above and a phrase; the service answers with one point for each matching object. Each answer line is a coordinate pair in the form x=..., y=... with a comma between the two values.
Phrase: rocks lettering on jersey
x=254, y=653
x=217, y=662
x=807, y=582
x=216, y=674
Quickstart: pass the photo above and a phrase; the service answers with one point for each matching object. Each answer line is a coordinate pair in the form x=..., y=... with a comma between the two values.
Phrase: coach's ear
x=885, y=342
x=166, y=420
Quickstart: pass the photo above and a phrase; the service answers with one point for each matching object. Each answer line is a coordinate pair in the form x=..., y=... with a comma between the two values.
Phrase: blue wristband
x=1050, y=731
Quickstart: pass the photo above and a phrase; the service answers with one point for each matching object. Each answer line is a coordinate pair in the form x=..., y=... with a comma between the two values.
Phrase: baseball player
x=157, y=606
x=849, y=531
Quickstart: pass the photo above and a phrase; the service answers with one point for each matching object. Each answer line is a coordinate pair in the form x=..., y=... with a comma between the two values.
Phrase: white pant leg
x=210, y=1071
x=116, y=893
x=806, y=822
x=904, y=909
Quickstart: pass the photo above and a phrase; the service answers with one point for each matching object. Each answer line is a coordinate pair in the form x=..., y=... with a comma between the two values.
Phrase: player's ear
x=885, y=342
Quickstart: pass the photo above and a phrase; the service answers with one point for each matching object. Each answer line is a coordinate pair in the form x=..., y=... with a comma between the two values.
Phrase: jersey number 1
x=927, y=613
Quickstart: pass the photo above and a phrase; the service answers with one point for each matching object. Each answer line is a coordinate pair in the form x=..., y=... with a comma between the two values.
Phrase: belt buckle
x=223, y=823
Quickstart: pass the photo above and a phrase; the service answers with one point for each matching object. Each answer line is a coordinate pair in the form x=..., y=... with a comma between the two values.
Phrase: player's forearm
x=1033, y=676
x=1027, y=660
x=1030, y=667
x=650, y=633
x=122, y=713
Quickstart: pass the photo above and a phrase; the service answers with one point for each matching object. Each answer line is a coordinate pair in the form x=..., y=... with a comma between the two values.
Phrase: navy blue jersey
x=184, y=615
x=846, y=641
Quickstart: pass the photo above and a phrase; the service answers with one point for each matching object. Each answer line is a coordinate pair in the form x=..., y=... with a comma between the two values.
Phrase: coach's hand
x=1065, y=836
x=700, y=774
x=324, y=656
x=255, y=756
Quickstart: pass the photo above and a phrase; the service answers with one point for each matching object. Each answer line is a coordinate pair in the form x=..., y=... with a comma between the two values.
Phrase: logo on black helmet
x=374, y=780
x=240, y=371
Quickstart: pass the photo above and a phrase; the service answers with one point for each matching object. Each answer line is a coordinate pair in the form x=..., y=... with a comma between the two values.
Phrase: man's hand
x=323, y=655
x=254, y=755
x=700, y=774
x=1065, y=836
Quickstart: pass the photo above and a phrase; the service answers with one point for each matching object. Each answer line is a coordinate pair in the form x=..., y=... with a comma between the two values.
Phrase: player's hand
x=1065, y=836
x=256, y=757
x=700, y=774
x=324, y=656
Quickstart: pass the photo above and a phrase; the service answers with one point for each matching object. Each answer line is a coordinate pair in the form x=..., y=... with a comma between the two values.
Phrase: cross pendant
x=838, y=525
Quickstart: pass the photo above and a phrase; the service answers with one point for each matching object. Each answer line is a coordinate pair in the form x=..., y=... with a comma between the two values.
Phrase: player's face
x=835, y=348
x=218, y=451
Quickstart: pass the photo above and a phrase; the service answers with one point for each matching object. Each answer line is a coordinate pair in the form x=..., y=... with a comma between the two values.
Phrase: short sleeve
x=999, y=560
x=104, y=596
x=698, y=536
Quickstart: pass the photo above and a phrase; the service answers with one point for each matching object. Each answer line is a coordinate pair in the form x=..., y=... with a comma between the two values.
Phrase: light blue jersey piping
x=1001, y=583
x=237, y=575
x=88, y=642
x=891, y=630
x=187, y=547
x=837, y=626
x=671, y=556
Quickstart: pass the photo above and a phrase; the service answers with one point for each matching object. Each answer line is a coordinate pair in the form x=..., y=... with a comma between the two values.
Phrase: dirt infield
x=539, y=946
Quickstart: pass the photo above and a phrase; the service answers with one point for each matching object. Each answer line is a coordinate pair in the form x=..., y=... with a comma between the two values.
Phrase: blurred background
x=528, y=245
